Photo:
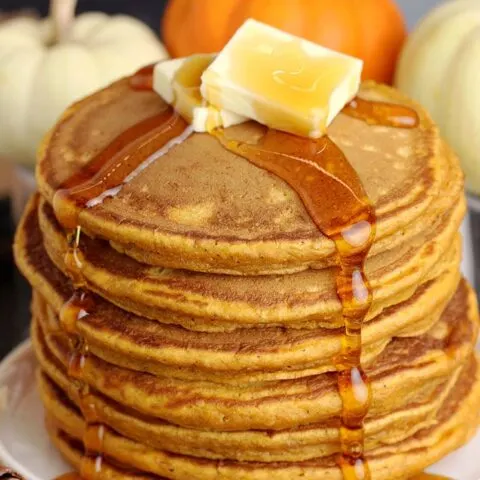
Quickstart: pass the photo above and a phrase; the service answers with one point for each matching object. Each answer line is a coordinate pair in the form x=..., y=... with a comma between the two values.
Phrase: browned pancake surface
x=216, y=209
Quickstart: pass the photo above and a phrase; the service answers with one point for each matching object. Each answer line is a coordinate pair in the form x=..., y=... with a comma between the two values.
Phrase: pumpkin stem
x=62, y=13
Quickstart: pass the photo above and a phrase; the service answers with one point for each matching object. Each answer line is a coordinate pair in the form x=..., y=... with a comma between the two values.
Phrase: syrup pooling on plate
x=335, y=199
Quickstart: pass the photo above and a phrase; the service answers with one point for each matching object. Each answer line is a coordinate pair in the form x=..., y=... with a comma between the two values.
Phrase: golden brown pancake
x=408, y=370
x=271, y=354
x=455, y=422
x=212, y=330
x=296, y=444
x=203, y=208
x=73, y=451
x=126, y=339
x=252, y=300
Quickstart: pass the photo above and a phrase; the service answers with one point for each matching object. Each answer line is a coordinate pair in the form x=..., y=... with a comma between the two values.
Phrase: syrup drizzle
x=382, y=113
x=104, y=176
x=77, y=307
x=333, y=195
x=119, y=163
x=143, y=79
x=335, y=198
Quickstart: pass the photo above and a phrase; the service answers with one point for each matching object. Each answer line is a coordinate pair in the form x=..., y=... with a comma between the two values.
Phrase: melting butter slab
x=178, y=83
x=280, y=80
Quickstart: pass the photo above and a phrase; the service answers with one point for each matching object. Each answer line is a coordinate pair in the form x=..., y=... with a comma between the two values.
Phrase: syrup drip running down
x=76, y=308
x=335, y=199
x=333, y=195
x=102, y=177
x=74, y=259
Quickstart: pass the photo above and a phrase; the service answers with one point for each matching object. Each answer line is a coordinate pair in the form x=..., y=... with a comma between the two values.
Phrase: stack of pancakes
x=214, y=324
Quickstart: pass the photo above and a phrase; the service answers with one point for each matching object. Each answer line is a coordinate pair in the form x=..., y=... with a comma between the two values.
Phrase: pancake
x=187, y=210
x=455, y=423
x=128, y=340
x=73, y=452
x=184, y=358
x=239, y=356
x=297, y=444
x=274, y=299
x=192, y=318
x=453, y=185
x=408, y=370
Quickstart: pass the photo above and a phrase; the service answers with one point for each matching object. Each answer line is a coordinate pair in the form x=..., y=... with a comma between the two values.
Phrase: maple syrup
x=335, y=199
x=73, y=258
x=80, y=304
x=382, y=113
x=92, y=460
x=91, y=464
x=143, y=78
x=117, y=164
x=77, y=307
x=103, y=176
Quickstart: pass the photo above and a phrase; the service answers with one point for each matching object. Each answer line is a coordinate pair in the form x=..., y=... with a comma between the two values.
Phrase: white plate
x=25, y=447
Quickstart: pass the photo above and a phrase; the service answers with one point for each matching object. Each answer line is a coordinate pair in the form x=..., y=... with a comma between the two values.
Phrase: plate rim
x=15, y=355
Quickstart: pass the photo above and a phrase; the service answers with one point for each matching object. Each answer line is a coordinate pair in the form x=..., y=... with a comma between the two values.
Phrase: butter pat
x=280, y=80
x=178, y=83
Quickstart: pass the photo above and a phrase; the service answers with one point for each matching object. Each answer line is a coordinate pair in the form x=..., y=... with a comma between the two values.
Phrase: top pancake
x=201, y=207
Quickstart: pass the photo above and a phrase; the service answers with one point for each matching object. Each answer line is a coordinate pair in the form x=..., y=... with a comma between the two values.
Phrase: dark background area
x=14, y=291
x=149, y=11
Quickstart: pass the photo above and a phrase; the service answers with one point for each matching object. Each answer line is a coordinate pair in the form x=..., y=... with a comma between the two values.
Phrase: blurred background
x=14, y=294
x=150, y=11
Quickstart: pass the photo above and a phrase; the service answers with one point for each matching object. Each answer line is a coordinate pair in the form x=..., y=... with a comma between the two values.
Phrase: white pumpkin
x=40, y=77
x=440, y=67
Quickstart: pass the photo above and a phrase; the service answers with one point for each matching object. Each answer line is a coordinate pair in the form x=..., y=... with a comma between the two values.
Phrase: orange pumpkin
x=373, y=30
